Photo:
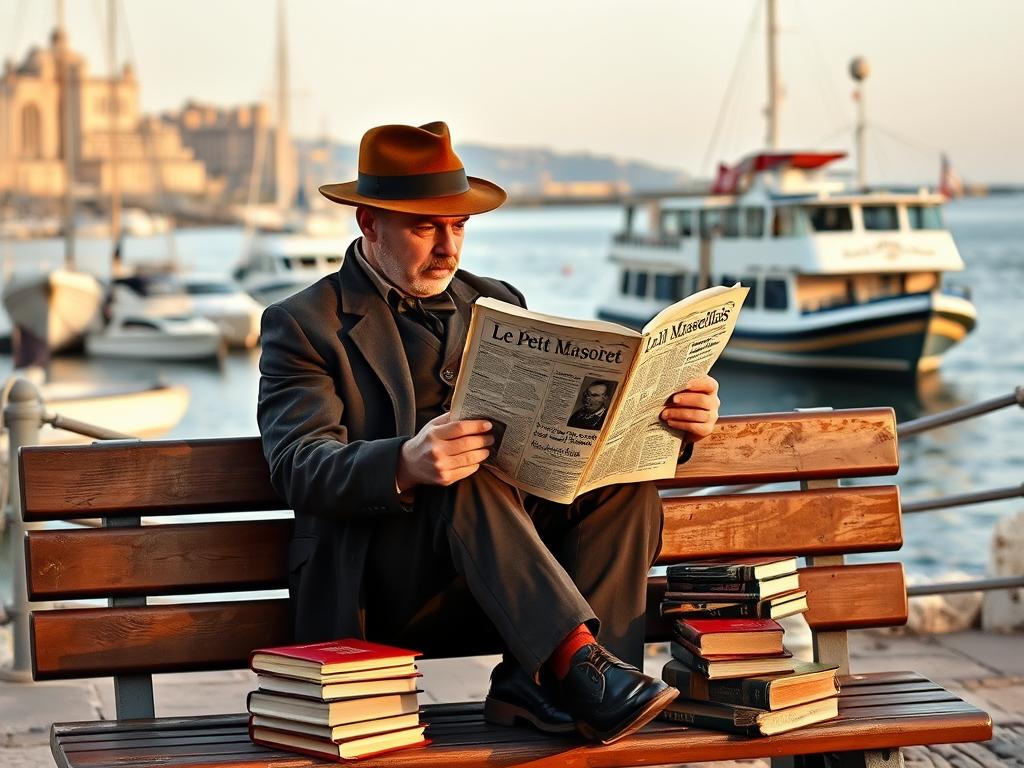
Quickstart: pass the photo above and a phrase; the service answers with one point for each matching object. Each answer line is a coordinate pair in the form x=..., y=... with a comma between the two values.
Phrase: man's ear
x=366, y=218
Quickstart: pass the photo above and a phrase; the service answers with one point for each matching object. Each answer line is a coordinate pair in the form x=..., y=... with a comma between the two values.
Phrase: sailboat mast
x=112, y=112
x=772, y=109
x=283, y=168
x=68, y=145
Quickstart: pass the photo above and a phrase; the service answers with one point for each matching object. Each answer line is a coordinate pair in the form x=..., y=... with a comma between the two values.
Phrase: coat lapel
x=376, y=336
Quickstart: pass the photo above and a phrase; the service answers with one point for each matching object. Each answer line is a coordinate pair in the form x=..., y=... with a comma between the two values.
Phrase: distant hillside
x=528, y=169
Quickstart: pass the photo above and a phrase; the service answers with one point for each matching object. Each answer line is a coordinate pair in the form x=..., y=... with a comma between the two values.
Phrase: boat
x=281, y=263
x=223, y=301
x=839, y=278
x=55, y=307
x=149, y=317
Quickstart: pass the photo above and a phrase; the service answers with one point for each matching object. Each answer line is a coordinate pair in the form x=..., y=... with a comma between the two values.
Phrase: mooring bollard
x=23, y=416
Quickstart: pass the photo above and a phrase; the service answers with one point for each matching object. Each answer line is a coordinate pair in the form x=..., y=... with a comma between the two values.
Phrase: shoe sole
x=503, y=713
x=633, y=724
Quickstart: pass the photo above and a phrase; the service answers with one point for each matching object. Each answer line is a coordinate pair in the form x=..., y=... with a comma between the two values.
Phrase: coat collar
x=376, y=336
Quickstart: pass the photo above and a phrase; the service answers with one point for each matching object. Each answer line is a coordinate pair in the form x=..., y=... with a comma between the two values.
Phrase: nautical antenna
x=859, y=71
x=772, y=109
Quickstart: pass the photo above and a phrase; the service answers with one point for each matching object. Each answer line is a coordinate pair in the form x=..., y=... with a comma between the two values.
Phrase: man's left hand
x=694, y=409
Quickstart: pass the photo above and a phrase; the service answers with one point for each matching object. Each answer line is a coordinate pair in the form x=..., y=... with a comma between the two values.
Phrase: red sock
x=558, y=663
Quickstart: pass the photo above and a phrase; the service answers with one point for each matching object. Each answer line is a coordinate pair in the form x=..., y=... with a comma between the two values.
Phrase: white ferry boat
x=843, y=280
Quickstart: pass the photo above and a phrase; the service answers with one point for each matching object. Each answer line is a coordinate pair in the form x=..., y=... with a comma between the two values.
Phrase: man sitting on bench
x=398, y=537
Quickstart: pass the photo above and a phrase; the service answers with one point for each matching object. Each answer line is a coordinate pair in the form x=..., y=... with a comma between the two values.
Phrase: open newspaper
x=576, y=404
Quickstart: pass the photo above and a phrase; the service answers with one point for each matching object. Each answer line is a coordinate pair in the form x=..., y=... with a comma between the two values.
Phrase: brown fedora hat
x=414, y=170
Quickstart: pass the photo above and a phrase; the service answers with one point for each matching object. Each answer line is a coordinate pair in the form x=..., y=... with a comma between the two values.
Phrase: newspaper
x=576, y=404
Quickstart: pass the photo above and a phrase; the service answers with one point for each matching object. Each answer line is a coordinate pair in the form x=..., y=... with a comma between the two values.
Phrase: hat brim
x=482, y=196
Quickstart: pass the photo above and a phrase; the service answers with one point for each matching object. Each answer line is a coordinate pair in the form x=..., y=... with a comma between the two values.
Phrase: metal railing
x=24, y=415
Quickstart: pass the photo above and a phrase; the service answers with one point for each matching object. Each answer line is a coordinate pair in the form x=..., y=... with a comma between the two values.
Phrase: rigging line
x=848, y=128
x=923, y=148
x=723, y=106
x=727, y=143
x=825, y=77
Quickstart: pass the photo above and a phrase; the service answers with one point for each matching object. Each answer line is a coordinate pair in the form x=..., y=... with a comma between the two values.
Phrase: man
x=398, y=537
x=591, y=413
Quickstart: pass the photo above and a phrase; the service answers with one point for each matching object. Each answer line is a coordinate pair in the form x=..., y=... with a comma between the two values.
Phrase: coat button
x=448, y=375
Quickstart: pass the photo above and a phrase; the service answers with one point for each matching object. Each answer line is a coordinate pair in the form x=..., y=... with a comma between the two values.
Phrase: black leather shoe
x=515, y=696
x=608, y=698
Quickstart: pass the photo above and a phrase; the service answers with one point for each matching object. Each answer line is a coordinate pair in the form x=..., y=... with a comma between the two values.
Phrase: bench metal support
x=133, y=694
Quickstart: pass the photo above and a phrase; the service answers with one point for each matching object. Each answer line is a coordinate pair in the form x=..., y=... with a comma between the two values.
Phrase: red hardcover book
x=731, y=665
x=756, y=637
x=314, y=660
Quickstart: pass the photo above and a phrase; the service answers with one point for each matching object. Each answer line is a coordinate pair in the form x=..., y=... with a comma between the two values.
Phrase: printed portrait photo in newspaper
x=592, y=403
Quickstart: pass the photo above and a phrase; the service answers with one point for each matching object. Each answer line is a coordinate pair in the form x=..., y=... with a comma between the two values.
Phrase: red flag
x=950, y=183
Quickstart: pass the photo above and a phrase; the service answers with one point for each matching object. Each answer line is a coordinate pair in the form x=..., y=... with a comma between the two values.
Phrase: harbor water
x=558, y=258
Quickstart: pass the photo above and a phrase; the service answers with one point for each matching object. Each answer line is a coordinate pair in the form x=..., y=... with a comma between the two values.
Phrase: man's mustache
x=449, y=264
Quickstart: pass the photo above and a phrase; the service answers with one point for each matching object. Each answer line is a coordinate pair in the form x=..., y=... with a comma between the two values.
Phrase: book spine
x=747, y=610
x=742, y=587
x=744, y=692
x=692, y=660
x=723, y=723
x=718, y=573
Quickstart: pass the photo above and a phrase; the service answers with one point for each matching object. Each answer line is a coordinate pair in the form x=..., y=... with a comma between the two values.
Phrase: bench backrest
x=127, y=562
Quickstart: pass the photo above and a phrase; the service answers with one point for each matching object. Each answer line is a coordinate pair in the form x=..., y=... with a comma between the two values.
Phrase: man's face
x=419, y=254
x=595, y=398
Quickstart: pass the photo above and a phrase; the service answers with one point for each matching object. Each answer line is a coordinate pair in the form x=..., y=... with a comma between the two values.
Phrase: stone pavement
x=986, y=669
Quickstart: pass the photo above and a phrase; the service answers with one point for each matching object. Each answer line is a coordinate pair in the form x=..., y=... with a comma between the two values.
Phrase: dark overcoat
x=336, y=403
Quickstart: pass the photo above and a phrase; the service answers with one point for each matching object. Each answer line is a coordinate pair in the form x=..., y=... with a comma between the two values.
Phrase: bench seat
x=876, y=711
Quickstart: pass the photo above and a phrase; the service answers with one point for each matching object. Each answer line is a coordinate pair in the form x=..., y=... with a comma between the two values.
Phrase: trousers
x=479, y=560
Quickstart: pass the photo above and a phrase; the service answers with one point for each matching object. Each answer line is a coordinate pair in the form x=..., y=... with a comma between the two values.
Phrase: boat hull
x=141, y=347
x=57, y=307
x=906, y=339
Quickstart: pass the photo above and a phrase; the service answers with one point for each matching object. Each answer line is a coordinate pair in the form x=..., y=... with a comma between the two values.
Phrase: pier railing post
x=23, y=416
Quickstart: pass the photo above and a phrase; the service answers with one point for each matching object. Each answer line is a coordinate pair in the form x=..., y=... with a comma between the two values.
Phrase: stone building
x=108, y=133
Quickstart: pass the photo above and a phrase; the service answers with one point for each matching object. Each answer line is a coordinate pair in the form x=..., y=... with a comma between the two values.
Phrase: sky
x=644, y=80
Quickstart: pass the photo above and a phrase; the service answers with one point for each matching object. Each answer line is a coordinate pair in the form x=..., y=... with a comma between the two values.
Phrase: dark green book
x=807, y=682
x=774, y=607
x=746, y=720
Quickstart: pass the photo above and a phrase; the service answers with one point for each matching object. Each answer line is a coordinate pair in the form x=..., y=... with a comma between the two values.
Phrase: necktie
x=428, y=312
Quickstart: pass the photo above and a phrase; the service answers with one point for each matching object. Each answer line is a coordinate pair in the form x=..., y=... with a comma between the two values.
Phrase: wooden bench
x=125, y=562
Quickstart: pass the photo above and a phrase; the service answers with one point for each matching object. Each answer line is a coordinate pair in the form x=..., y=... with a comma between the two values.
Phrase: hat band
x=420, y=185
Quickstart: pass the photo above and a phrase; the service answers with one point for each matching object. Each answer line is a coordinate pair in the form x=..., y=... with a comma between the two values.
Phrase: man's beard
x=391, y=265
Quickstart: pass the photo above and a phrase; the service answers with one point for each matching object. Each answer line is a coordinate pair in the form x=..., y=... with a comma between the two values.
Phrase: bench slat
x=89, y=642
x=844, y=597
x=855, y=596
x=813, y=522
x=471, y=742
x=163, y=477
x=157, y=559
x=159, y=477
x=762, y=448
x=228, y=556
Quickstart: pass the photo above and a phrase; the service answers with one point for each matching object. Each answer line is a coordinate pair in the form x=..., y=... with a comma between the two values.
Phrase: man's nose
x=446, y=242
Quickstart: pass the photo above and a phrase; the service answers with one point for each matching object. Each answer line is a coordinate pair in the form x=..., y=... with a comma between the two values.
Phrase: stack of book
x=343, y=699
x=728, y=658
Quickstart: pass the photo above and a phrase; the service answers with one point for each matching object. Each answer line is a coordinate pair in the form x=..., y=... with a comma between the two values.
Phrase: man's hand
x=694, y=409
x=443, y=452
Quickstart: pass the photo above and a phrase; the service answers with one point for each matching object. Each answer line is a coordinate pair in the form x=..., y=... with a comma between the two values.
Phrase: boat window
x=624, y=288
x=640, y=284
x=693, y=283
x=830, y=218
x=332, y=259
x=788, y=221
x=670, y=223
x=731, y=222
x=750, y=282
x=686, y=223
x=286, y=263
x=308, y=261
x=728, y=280
x=880, y=217
x=775, y=294
x=754, y=226
x=924, y=216
x=668, y=287
x=710, y=222
x=208, y=289
x=141, y=325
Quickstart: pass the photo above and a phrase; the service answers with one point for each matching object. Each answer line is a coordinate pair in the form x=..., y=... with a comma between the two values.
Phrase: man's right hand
x=443, y=452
